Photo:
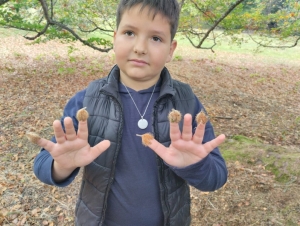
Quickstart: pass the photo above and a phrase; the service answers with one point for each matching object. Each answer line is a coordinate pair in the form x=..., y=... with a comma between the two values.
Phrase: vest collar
x=113, y=79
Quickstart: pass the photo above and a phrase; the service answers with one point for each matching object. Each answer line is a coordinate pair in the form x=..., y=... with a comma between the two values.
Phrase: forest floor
x=254, y=100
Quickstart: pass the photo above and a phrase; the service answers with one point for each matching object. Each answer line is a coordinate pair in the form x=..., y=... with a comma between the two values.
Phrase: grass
x=281, y=161
x=224, y=44
x=248, y=47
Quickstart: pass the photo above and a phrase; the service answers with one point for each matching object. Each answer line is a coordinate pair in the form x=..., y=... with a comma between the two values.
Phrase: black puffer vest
x=106, y=122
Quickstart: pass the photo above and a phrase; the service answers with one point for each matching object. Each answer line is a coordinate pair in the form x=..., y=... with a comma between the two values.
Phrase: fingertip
x=68, y=120
x=56, y=123
x=106, y=143
x=222, y=136
x=187, y=116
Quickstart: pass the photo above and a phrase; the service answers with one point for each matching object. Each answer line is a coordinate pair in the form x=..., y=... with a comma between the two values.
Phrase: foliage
x=203, y=23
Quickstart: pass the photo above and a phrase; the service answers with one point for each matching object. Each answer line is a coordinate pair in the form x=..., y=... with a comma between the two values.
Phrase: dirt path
x=244, y=95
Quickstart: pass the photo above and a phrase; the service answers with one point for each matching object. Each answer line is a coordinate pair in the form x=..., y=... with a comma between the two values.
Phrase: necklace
x=142, y=123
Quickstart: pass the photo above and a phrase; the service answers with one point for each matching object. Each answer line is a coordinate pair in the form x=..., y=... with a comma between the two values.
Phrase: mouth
x=137, y=61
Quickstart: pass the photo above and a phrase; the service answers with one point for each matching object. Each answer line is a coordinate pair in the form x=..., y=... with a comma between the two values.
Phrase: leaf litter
x=243, y=95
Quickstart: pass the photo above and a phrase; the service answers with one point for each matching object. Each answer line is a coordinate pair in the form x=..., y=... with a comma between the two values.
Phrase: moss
x=279, y=176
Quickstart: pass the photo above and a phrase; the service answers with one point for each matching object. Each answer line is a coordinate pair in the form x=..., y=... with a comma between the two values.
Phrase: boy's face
x=142, y=46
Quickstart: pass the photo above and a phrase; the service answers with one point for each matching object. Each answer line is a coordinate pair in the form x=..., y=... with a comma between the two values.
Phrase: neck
x=138, y=85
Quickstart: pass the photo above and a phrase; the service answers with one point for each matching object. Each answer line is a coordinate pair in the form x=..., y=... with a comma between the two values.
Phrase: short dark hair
x=169, y=8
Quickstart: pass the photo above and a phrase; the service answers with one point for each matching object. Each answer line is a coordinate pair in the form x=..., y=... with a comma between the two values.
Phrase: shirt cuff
x=181, y=171
x=65, y=182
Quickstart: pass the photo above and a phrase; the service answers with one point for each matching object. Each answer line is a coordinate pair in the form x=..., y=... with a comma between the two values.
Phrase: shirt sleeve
x=43, y=162
x=211, y=172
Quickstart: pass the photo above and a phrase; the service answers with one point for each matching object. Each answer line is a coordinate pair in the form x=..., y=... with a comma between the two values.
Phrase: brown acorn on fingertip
x=33, y=137
x=82, y=115
x=174, y=116
x=146, y=138
x=201, y=117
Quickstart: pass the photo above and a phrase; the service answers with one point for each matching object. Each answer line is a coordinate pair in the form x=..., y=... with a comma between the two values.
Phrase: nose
x=140, y=46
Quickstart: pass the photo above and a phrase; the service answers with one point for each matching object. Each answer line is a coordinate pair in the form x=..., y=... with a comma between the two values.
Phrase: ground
x=252, y=99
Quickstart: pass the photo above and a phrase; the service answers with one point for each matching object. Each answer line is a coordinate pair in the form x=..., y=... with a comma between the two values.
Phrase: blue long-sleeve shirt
x=136, y=168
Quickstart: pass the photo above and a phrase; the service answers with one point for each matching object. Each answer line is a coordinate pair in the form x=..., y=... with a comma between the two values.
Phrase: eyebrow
x=129, y=26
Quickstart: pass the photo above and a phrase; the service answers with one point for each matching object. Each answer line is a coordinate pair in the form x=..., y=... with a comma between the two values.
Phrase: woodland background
x=250, y=90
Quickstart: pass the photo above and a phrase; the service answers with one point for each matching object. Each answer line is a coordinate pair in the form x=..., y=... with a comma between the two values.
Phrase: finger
x=211, y=145
x=46, y=144
x=175, y=133
x=199, y=133
x=82, y=132
x=187, y=128
x=99, y=149
x=59, y=132
x=69, y=128
x=158, y=148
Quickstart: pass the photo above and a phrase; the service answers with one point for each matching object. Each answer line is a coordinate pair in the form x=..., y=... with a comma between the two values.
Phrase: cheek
x=119, y=51
x=161, y=56
x=120, y=48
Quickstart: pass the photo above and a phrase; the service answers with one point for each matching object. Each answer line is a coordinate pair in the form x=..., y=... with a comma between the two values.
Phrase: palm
x=185, y=148
x=72, y=153
x=72, y=149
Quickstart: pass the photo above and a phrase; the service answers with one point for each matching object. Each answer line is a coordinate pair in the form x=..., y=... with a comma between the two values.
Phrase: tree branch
x=275, y=47
x=38, y=33
x=3, y=2
x=96, y=27
x=232, y=7
x=50, y=21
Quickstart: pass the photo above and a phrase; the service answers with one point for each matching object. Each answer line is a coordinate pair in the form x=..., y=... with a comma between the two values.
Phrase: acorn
x=82, y=115
x=174, y=116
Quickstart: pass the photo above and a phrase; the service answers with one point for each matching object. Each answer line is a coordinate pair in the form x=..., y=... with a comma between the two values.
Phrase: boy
x=125, y=183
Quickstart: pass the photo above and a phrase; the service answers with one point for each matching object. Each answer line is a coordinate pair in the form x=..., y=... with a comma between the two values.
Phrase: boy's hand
x=185, y=148
x=71, y=150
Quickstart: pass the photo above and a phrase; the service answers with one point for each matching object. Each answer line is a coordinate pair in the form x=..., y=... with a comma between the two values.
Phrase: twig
x=222, y=117
x=277, y=47
x=50, y=21
x=212, y=204
x=231, y=8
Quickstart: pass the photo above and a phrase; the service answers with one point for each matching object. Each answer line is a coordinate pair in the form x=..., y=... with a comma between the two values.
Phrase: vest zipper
x=115, y=157
x=165, y=195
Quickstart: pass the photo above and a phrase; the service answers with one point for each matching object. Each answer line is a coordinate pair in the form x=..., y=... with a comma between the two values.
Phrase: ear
x=172, y=49
x=115, y=32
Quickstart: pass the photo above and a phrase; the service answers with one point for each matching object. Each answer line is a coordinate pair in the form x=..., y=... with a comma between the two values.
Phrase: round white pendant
x=142, y=123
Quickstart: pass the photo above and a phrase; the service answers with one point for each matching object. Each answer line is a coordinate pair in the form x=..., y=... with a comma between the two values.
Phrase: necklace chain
x=142, y=116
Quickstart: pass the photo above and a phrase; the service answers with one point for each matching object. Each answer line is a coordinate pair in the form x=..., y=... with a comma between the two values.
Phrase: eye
x=129, y=33
x=156, y=39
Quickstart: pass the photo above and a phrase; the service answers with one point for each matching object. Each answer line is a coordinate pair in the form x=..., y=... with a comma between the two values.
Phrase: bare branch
x=193, y=32
x=96, y=27
x=211, y=47
x=50, y=21
x=3, y=2
x=204, y=12
x=45, y=11
x=273, y=46
x=216, y=23
x=38, y=33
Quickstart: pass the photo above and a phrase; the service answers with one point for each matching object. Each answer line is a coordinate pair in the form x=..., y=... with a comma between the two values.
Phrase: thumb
x=99, y=148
